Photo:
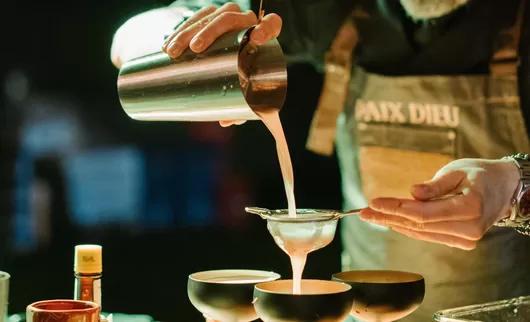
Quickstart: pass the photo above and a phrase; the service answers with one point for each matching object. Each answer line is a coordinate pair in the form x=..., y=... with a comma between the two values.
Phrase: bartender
x=421, y=102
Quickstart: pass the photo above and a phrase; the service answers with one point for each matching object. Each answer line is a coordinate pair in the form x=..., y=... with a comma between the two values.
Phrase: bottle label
x=88, y=289
x=97, y=291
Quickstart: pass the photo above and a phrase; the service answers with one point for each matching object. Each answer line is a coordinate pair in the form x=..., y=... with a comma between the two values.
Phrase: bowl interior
x=378, y=277
x=234, y=276
x=308, y=287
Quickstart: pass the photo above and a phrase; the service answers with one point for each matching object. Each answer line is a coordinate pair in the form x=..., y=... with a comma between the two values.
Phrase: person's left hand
x=456, y=208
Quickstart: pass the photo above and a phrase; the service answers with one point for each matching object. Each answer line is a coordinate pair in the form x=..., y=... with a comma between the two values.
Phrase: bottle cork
x=88, y=259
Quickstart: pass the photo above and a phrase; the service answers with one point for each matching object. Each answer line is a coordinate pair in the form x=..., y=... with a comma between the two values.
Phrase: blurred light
x=235, y=194
x=16, y=86
x=106, y=186
x=52, y=135
x=210, y=132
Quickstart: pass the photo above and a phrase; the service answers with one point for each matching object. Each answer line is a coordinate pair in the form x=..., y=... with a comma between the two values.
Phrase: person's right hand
x=209, y=23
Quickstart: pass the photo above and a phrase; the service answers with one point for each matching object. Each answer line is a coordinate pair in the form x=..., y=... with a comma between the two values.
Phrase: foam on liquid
x=271, y=119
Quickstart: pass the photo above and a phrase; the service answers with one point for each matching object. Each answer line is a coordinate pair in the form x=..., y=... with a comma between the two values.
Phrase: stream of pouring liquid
x=272, y=121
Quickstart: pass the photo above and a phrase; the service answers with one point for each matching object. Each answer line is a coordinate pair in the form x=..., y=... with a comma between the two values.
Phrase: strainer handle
x=351, y=212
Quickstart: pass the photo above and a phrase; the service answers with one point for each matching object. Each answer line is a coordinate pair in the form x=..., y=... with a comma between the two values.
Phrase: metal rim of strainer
x=322, y=215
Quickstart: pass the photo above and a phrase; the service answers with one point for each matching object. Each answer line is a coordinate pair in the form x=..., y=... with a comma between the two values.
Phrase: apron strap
x=337, y=73
x=505, y=61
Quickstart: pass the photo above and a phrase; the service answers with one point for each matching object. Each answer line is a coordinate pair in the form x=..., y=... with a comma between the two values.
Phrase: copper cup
x=63, y=311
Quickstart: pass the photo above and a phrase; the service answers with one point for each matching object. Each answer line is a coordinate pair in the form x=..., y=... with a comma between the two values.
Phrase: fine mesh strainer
x=310, y=230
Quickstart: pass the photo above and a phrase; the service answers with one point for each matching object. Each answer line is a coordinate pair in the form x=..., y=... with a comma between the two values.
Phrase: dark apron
x=398, y=131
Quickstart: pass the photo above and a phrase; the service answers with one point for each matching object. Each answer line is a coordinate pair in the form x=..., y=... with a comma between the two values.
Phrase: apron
x=398, y=131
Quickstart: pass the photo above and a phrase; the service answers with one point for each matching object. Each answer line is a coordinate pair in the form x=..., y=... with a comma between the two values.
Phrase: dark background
x=164, y=199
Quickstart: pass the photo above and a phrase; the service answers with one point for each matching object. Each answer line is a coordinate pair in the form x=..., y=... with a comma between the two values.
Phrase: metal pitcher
x=231, y=80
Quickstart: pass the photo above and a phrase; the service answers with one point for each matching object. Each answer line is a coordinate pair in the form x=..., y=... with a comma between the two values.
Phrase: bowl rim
x=89, y=307
x=268, y=276
x=409, y=277
x=259, y=287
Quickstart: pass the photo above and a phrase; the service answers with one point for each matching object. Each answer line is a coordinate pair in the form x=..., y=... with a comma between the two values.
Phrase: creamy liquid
x=271, y=119
x=298, y=246
x=239, y=279
x=273, y=123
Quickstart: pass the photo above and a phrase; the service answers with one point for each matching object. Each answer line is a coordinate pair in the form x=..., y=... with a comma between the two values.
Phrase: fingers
x=206, y=11
x=221, y=24
x=448, y=240
x=181, y=40
x=470, y=229
x=199, y=15
x=209, y=23
x=460, y=207
x=269, y=28
x=445, y=184
x=229, y=123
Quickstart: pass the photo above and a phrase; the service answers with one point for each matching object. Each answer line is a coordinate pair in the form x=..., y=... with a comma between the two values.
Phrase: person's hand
x=208, y=319
x=209, y=23
x=456, y=208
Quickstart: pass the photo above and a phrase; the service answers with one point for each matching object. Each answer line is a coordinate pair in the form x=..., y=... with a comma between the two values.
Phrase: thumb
x=437, y=187
x=208, y=319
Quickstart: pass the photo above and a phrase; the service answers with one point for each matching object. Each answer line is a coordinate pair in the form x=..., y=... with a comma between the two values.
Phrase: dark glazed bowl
x=226, y=295
x=383, y=295
x=325, y=301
